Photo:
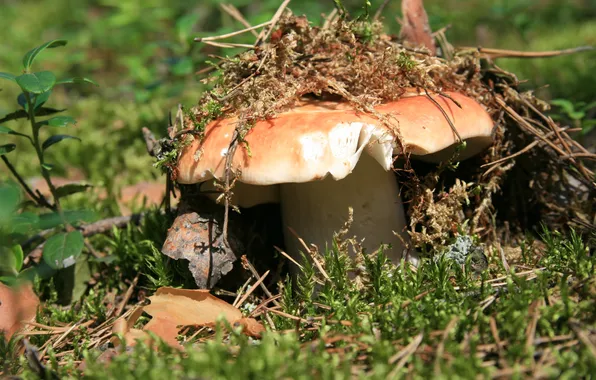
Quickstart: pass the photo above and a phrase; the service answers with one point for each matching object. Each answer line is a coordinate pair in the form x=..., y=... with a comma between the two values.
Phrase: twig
x=520, y=152
x=232, y=34
x=500, y=346
x=228, y=45
x=441, y=347
x=239, y=293
x=264, y=304
x=445, y=115
x=251, y=290
x=550, y=123
x=60, y=339
x=503, y=53
x=531, y=328
x=404, y=355
x=127, y=296
x=587, y=174
x=98, y=227
x=254, y=272
x=150, y=141
x=228, y=169
x=288, y=257
x=235, y=13
x=380, y=9
x=311, y=253
x=329, y=19
x=39, y=199
x=286, y=315
x=264, y=35
x=583, y=337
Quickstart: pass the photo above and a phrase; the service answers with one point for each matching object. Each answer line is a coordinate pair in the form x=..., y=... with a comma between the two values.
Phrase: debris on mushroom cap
x=316, y=139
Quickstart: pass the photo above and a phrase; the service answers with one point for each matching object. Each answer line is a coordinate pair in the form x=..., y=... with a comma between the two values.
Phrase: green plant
x=575, y=113
x=62, y=249
x=17, y=227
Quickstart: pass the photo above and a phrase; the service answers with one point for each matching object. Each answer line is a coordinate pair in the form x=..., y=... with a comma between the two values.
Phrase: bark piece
x=197, y=236
x=415, y=28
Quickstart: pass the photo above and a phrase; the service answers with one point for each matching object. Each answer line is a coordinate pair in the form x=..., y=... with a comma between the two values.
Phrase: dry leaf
x=185, y=307
x=171, y=309
x=166, y=330
x=17, y=306
x=126, y=329
x=251, y=327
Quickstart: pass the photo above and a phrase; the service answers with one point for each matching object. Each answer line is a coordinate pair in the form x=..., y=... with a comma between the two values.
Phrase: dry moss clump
x=355, y=61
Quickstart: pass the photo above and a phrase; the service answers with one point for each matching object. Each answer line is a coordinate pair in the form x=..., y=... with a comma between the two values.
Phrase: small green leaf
x=58, y=121
x=37, y=82
x=32, y=54
x=77, y=80
x=565, y=105
x=71, y=188
x=22, y=114
x=8, y=280
x=56, y=139
x=7, y=76
x=24, y=223
x=47, y=167
x=41, y=99
x=185, y=24
x=7, y=148
x=22, y=100
x=18, y=255
x=577, y=115
x=51, y=220
x=62, y=250
x=10, y=196
x=8, y=131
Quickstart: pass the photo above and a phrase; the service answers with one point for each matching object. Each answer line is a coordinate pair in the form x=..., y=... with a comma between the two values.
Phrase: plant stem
x=40, y=200
x=44, y=172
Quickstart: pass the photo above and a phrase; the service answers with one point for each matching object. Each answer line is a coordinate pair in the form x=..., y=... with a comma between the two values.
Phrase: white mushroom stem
x=315, y=210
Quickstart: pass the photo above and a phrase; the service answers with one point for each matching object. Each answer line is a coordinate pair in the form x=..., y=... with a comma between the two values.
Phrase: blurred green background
x=142, y=54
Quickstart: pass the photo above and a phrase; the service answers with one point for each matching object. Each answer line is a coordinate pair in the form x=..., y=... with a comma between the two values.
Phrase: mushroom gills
x=317, y=209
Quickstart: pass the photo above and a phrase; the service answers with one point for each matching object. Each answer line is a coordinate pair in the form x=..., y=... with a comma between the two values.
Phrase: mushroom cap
x=316, y=139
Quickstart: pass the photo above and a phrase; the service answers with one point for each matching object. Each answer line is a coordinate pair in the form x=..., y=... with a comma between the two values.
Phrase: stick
x=502, y=53
x=380, y=10
x=232, y=34
x=235, y=13
x=87, y=230
x=264, y=35
x=40, y=200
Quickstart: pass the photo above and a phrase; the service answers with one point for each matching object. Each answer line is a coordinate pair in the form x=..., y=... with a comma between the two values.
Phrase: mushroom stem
x=315, y=210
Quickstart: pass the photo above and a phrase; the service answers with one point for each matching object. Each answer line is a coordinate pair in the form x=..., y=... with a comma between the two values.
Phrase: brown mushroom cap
x=316, y=139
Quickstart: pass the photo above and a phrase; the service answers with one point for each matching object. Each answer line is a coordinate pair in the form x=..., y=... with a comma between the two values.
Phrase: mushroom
x=319, y=158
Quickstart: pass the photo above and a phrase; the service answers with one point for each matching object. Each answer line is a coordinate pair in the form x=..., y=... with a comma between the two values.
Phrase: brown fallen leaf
x=251, y=327
x=18, y=305
x=187, y=307
x=166, y=330
x=125, y=328
x=172, y=309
